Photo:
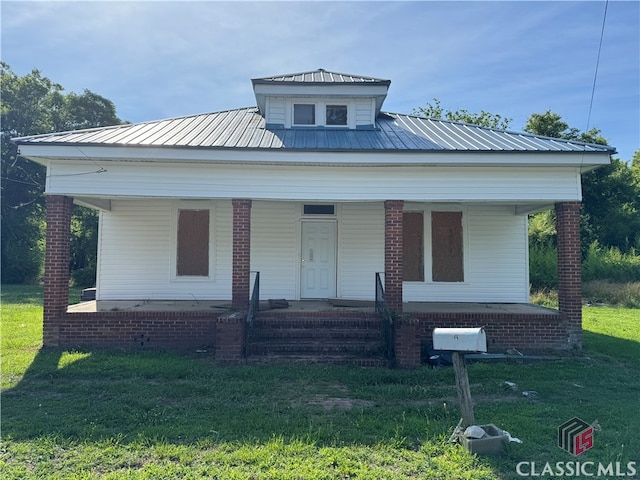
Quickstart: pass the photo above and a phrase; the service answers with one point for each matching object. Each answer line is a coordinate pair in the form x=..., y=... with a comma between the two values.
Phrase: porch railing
x=386, y=320
x=254, y=302
x=380, y=303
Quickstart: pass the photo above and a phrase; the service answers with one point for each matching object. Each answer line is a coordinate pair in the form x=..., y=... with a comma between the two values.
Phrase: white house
x=317, y=189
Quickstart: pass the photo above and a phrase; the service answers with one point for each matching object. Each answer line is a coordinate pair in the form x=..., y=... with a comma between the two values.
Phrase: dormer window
x=336, y=115
x=304, y=114
x=320, y=114
x=320, y=99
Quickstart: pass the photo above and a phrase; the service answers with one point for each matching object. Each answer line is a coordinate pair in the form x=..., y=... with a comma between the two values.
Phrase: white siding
x=361, y=249
x=135, y=253
x=295, y=182
x=137, y=241
x=495, y=260
x=276, y=110
x=364, y=111
x=275, y=250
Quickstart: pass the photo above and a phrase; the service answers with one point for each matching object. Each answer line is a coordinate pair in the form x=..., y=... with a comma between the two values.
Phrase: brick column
x=407, y=342
x=56, y=266
x=241, y=253
x=231, y=338
x=569, y=269
x=393, y=254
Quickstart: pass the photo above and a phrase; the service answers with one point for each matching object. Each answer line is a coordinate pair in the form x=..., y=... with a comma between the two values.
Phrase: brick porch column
x=241, y=253
x=569, y=269
x=56, y=266
x=393, y=254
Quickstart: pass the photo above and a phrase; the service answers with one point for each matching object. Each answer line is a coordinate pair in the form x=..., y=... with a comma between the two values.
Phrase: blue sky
x=164, y=59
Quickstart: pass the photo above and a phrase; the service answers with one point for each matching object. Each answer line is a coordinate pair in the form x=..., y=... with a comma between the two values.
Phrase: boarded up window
x=193, y=243
x=446, y=241
x=413, y=247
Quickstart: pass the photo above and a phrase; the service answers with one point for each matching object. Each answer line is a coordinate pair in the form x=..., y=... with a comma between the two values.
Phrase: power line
x=595, y=75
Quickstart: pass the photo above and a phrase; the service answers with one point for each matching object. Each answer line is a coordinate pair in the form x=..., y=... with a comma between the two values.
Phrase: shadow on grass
x=134, y=396
x=619, y=348
x=160, y=396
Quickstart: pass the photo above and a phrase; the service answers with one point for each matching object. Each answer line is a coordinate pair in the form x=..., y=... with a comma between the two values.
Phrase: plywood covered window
x=413, y=247
x=447, y=247
x=192, y=257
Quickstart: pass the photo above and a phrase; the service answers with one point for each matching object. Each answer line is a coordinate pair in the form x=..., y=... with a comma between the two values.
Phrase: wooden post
x=464, y=392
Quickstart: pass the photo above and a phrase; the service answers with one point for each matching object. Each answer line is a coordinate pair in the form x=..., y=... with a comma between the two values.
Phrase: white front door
x=318, y=269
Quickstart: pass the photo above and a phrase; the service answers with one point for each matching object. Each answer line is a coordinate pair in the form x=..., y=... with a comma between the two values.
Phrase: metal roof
x=320, y=77
x=245, y=128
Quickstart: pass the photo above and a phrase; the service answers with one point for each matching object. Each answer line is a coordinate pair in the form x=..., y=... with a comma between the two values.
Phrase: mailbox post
x=459, y=341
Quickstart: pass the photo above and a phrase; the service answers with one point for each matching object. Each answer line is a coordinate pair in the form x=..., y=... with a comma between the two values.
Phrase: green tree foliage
x=484, y=119
x=611, y=194
x=550, y=124
x=33, y=104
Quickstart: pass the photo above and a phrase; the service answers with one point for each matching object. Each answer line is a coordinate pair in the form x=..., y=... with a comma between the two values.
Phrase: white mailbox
x=460, y=339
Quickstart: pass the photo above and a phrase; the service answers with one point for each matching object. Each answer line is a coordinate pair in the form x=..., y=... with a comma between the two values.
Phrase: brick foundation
x=528, y=333
x=393, y=239
x=135, y=330
x=407, y=339
x=241, y=253
x=231, y=338
x=569, y=270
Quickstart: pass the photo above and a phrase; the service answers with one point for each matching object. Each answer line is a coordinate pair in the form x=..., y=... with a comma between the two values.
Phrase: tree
x=484, y=119
x=610, y=197
x=30, y=105
x=550, y=124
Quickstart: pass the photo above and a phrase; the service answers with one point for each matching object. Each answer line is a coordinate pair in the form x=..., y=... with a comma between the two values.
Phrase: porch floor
x=220, y=306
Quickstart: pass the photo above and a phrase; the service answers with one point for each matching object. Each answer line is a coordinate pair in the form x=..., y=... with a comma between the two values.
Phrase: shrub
x=543, y=267
x=610, y=264
x=84, y=277
x=602, y=292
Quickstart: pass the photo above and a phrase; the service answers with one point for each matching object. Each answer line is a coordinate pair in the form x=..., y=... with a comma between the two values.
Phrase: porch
x=222, y=326
x=318, y=331
x=307, y=306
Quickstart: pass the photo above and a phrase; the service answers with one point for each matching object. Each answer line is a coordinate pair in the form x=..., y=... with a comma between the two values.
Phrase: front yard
x=146, y=414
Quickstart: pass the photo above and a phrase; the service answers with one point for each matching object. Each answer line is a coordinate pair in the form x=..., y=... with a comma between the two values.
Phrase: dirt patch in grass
x=339, y=403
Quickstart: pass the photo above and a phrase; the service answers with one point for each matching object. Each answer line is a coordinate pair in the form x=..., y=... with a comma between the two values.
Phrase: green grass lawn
x=155, y=415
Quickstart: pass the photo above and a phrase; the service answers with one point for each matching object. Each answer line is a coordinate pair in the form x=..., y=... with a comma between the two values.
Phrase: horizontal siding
x=135, y=253
x=277, y=111
x=361, y=249
x=364, y=112
x=496, y=267
x=276, y=182
x=136, y=244
x=274, y=247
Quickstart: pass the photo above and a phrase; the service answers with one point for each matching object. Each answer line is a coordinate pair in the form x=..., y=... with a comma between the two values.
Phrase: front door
x=318, y=269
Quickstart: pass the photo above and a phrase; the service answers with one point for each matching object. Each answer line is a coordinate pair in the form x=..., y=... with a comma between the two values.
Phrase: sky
x=164, y=59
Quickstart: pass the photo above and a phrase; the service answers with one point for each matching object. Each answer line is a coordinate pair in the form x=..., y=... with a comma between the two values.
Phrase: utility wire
x=595, y=76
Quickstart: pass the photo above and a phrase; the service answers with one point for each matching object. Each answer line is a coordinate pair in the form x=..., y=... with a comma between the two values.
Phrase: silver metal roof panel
x=320, y=77
x=245, y=128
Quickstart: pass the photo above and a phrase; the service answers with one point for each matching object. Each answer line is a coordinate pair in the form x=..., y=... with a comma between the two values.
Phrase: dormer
x=320, y=99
